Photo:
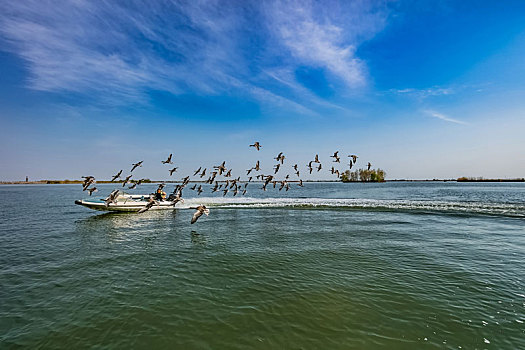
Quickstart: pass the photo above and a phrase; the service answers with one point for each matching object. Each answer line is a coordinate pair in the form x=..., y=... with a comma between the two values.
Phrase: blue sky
x=422, y=89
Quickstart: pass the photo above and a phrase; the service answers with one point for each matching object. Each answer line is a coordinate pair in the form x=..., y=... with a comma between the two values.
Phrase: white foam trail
x=439, y=206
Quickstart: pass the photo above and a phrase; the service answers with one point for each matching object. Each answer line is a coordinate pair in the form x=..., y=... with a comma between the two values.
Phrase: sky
x=421, y=89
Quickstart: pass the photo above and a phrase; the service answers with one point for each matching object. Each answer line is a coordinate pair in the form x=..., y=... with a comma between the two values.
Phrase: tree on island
x=364, y=175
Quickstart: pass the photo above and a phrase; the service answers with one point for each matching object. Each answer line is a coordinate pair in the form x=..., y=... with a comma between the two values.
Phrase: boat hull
x=123, y=206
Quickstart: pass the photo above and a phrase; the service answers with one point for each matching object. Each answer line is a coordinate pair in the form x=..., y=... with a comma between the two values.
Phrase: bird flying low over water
x=221, y=168
x=168, y=161
x=88, y=180
x=197, y=171
x=116, y=176
x=201, y=209
x=256, y=145
x=268, y=179
x=91, y=190
x=136, y=165
x=147, y=207
x=176, y=197
x=112, y=198
x=212, y=177
x=126, y=180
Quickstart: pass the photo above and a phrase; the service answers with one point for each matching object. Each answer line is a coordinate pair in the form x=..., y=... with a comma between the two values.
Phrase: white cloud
x=117, y=52
x=285, y=76
x=444, y=117
x=328, y=41
x=100, y=48
x=422, y=93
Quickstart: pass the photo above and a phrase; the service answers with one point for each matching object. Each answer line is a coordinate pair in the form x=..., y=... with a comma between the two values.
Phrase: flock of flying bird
x=227, y=184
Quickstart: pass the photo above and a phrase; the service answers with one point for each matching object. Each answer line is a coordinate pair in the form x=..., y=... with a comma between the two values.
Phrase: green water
x=330, y=266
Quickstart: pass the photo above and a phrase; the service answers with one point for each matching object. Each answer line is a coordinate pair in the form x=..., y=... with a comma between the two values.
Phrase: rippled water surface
x=327, y=266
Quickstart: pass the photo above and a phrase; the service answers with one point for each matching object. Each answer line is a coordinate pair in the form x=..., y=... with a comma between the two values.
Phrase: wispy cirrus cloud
x=118, y=52
x=329, y=41
x=426, y=92
x=441, y=116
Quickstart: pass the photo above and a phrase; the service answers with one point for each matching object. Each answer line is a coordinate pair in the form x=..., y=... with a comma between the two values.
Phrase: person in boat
x=160, y=195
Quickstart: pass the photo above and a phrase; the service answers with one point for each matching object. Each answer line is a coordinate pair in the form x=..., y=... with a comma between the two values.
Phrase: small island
x=364, y=175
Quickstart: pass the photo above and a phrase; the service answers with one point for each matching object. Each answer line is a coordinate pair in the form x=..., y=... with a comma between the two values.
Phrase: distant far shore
x=480, y=179
x=62, y=182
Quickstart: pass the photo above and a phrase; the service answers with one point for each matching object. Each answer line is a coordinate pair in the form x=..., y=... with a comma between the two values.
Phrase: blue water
x=408, y=265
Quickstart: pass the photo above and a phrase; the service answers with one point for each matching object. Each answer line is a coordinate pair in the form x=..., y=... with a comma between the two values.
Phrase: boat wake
x=500, y=209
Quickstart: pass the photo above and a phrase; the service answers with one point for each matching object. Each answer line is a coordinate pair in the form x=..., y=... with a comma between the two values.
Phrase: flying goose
x=135, y=165
x=256, y=145
x=112, y=198
x=126, y=180
x=201, y=209
x=151, y=202
x=116, y=176
x=168, y=161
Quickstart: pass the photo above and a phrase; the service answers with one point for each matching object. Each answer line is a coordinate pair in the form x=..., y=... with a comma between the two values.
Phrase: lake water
x=408, y=265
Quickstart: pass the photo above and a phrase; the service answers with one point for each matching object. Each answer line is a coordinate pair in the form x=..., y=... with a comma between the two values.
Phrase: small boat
x=125, y=202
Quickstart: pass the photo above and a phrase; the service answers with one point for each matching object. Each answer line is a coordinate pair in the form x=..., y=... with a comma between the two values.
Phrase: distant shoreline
x=69, y=182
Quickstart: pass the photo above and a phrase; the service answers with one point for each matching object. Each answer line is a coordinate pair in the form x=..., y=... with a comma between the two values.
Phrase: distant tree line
x=481, y=179
x=364, y=175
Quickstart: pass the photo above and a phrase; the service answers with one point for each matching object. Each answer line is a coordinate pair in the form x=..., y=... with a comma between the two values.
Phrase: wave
x=502, y=209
